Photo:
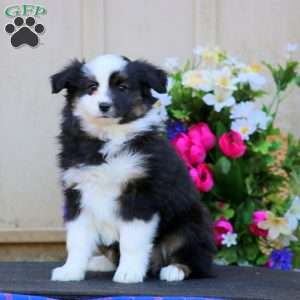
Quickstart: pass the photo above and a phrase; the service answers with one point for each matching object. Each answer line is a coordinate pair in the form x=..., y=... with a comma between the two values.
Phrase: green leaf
x=228, y=213
x=251, y=251
x=274, y=131
x=224, y=164
x=268, y=160
x=295, y=247
x=261, y=147
x=231, y=185
x=220, y=128
x=275, y=145
x=244, y=91
x=229, y=254
x=283, y=76
x=261, y=260
x=250, y=181
x=244, y=213
x=179, y=114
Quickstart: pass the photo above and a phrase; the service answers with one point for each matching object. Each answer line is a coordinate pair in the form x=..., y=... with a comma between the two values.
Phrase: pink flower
x=222, y=226
x=232, y=144
x=182, y=144
x=197, y=154
x=191, y=154
x=202, y=177
x=257, y=217
x=201, y=134
x=268, y=264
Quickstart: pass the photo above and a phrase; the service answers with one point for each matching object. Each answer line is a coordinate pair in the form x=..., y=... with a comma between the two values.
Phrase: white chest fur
x=100, y=187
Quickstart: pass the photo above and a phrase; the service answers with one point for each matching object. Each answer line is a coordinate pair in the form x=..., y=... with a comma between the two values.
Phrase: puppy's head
x=110, y=89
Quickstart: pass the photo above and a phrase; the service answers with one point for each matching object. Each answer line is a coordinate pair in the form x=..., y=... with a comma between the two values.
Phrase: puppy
x=125, y=188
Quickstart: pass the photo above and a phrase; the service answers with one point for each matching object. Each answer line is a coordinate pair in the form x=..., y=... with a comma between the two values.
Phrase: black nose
x=104, y=106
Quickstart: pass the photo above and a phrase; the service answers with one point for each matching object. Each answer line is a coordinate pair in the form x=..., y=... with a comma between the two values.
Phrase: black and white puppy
x=125, y=188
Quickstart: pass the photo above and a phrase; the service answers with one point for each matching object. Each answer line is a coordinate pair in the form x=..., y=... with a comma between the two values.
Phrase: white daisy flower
x=198, y=80
x=261, y=119
x=242, y=110
x=247, y=110
x=198, y=50
x=293, y=214
x=231, y=61
x=256, y=81
x=285, y=240
x=244, y=127
x=163, y=100
x=171, y=64
x=220, y=99
x=210, y=57
x=251, y=74
x=229, y=239
x=275, y=226
x=223, y=79
x=234, y=62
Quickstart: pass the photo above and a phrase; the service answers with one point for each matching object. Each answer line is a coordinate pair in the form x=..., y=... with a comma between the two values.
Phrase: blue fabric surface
x=7, y=296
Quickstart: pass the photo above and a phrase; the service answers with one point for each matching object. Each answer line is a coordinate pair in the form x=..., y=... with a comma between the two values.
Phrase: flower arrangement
x=246, y=170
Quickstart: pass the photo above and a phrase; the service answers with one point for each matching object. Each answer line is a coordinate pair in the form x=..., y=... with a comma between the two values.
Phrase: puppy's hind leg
x=174, y=272
x=82, y=239
x=194, y=259
x=189, y=254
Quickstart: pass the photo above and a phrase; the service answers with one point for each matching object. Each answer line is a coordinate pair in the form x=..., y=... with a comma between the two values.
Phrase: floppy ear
x=154, y=77
x=67, y=78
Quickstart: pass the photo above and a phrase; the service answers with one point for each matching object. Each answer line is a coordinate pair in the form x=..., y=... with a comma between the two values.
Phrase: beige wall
x=154, y=29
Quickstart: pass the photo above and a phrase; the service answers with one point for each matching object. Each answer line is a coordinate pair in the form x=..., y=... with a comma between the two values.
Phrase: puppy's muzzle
x=104, y=107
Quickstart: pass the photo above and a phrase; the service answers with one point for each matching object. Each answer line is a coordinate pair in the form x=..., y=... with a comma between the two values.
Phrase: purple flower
x=281, y=259
x=174, y=128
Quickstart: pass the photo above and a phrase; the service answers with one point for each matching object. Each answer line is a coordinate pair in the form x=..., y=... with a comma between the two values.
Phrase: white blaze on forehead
x=103, y=66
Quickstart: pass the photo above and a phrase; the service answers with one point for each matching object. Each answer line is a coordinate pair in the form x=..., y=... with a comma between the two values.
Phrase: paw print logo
x=24, y=33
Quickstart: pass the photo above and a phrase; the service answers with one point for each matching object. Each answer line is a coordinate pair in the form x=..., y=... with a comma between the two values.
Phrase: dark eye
x=122, y=87
x=92, y=87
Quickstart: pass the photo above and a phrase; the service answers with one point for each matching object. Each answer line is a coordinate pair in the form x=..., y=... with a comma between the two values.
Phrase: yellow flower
x=266, y=246
x=256, y=68
x=275, y=226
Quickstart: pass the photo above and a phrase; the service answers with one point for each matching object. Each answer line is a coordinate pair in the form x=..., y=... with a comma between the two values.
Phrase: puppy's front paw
x=171, y=273
x=67, y=273
x=128, y=275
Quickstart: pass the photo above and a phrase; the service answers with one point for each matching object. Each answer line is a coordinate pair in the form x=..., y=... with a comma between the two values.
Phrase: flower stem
x=279, y=97
x=274, y=100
